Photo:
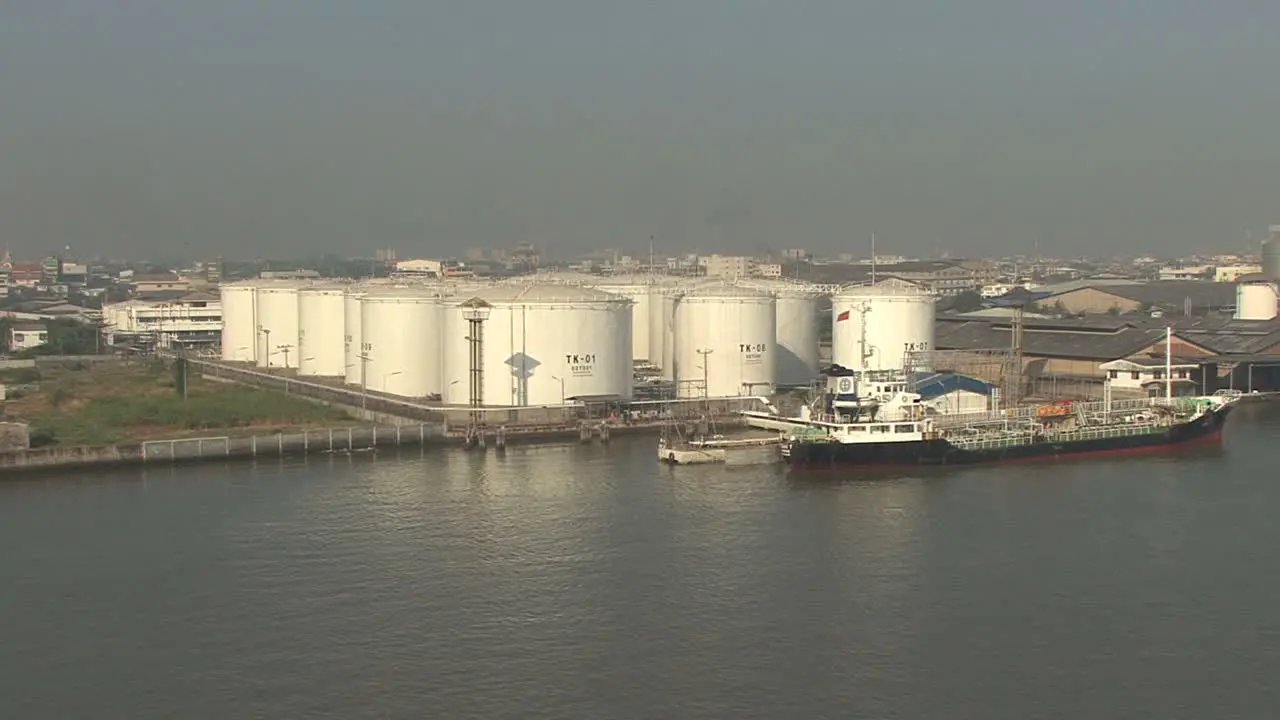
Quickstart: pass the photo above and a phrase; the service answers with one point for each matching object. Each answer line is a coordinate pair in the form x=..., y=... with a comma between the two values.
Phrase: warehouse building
x=1169, y=297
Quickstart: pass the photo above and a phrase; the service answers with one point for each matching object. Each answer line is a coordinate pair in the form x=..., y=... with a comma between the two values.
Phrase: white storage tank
x=400, y=331
x=641, y=295
x=321, y=330
x=1256, y=301
x=239, y=321
x=277, y=345
x=542, y=345
x=798, y=361
x=725, y=342
x=351, y=338
x=880, y=324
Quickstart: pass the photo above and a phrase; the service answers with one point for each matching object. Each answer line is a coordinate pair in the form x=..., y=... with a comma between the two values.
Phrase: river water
x=589, y=582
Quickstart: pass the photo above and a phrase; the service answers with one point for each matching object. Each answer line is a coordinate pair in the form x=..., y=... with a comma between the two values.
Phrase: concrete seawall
x=326, y=441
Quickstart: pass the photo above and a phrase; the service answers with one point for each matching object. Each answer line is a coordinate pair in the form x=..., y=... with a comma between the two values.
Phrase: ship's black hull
x=1206, y=428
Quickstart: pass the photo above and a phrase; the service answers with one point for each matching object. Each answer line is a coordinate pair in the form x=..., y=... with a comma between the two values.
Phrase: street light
x=553, y=377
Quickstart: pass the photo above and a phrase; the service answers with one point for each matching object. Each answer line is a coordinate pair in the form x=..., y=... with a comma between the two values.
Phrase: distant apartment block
x=795, y=254
x=940, y=276
x=767, y=270
x=1191, y=272
x=727, y=266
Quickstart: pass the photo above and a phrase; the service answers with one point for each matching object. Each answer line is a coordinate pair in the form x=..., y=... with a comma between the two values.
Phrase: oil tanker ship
x=872, y=419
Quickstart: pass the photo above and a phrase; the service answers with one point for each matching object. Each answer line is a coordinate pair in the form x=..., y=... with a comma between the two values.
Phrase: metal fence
x=332, y=440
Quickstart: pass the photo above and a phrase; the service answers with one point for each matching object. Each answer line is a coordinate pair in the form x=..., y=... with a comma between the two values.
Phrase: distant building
x=767, y=270
x=158, y=283
x=289, y=274
x=214, y=271
x=939, y=276
x=1232, y=273
x=184, y=319
x=1146, y=376
x=1182, y=297
x=1193, y=272
x=422, y=267
x=24, y=336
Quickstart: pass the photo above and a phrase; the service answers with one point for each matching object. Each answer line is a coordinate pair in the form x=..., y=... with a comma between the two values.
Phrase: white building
x=27, y=336
x=728, y=266
x=1194, y=272
x=421, y=266
x=1146, y=376
x=1232, y=273
x=193, y=319
x=767, y=270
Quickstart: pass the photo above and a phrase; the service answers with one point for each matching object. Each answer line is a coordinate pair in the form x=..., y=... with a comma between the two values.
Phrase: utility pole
x=706, y=387
x=285, y=349
x=364, y=381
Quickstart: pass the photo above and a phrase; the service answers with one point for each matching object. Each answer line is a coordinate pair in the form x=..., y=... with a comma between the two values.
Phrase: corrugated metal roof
x=932, y=385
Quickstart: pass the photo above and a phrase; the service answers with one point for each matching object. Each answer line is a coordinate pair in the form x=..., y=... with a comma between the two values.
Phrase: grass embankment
x=141, y=400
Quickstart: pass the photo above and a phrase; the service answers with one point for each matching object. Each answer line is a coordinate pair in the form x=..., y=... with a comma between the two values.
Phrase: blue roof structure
x=932, y=385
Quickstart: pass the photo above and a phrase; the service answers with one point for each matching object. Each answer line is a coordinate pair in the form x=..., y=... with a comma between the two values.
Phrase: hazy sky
x=266, y=127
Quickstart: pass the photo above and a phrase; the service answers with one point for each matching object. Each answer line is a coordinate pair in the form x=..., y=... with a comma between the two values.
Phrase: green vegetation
x=127, y=402
x=66, y=337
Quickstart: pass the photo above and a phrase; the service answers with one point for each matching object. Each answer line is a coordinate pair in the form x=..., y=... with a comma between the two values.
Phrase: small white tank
x=1256, y=301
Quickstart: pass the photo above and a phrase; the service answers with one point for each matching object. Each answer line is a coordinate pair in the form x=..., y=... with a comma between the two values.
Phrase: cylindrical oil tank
x=239, y=321
x=278, y=325
x=875, y=327
x=1256, y=301
x=641, y=295
x=400, y=331
x=797, y=323
x=351, y=338
x=321, y=330
x=1271, y=255
x=725, y=342
x=537, y=344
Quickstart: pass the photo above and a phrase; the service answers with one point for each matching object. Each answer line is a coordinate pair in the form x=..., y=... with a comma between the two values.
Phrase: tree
x=964, y=302
x=66, y=337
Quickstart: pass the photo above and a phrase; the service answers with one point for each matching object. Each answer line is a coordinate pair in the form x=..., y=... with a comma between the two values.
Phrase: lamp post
x=553, y=377
x=285, y=349
x=364, y=381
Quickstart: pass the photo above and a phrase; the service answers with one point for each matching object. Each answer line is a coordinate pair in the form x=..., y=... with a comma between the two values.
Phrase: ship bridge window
x=879, y=428
x=856, y=429
x=907, y=428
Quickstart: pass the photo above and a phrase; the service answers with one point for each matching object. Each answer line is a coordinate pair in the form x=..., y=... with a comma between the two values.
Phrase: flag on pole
x=842, y=316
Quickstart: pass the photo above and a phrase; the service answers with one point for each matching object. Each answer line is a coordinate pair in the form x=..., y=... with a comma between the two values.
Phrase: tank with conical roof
x=797, y=328
x=725, y=341
x=878, y=327
x=540, y=344
x=400, y=336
